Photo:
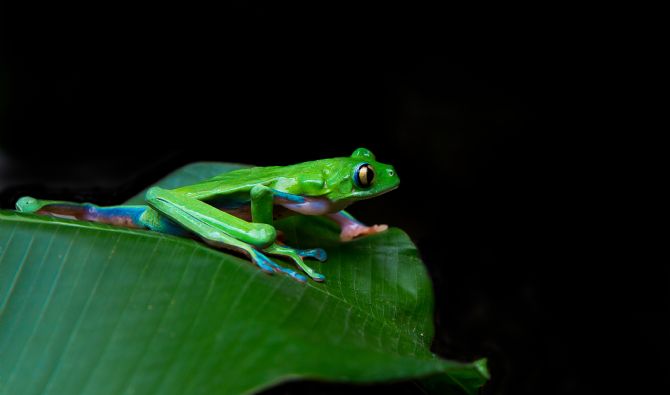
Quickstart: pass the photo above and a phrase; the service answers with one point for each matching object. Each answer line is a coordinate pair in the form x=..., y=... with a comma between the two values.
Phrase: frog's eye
x=364, y=175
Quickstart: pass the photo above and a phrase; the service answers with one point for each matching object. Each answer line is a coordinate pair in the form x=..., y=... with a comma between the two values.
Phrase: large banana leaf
x=87, y=308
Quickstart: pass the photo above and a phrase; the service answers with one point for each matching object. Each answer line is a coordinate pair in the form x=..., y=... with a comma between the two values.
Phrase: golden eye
x=364, y=175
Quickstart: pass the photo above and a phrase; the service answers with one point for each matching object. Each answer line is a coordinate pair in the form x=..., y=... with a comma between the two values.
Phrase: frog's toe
x=319, y=277
x=298, y=276
x=28, y=204
x=295, y=256
x=264, y=263
x=269, y=266
x=292, y=273
x=312, y=274
x=317, y=253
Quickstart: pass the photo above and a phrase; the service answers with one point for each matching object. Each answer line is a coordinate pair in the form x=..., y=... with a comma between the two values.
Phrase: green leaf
x=88, y=308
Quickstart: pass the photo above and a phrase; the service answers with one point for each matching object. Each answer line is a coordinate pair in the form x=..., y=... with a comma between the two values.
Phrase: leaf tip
x=482, y=367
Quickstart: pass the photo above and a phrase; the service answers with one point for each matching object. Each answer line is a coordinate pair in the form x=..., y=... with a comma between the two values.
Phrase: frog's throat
x=323, y=205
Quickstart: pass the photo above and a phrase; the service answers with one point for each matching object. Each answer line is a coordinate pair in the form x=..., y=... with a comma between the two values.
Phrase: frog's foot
x=258, y=258
x=268, y=266
x=353, y=230
x=297, y=255
x=29, y=204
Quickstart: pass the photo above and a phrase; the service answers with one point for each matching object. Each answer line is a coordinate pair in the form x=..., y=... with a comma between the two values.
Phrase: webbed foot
x=268, y=266
x=297, y=257
x=264, y=263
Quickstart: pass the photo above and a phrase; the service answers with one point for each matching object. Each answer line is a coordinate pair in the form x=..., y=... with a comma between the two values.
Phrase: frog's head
x=361, y=177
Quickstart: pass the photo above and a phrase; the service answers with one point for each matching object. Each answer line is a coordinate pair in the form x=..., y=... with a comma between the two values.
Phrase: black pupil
x=370, y=175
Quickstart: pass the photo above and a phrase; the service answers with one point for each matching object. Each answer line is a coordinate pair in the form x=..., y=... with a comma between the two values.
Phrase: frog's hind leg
x=127, y=216
x=219, y=228
x=140, y=217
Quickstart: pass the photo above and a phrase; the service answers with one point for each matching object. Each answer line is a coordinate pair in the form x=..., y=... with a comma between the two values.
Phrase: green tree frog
x=236, y=210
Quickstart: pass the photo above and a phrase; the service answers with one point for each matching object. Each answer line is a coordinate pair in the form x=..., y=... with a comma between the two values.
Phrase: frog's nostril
x=390, y=172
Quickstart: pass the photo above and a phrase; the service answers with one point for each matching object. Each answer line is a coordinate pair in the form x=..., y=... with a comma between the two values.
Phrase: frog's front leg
x=352, y=228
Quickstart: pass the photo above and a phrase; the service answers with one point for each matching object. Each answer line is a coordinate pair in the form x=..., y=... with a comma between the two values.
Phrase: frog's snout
x=393, y=176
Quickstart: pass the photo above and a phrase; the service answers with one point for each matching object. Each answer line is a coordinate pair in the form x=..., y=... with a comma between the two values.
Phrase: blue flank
x=288, y=196
x=134, y=213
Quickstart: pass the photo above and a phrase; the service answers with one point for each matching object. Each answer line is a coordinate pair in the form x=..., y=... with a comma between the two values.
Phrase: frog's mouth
x=363, y=196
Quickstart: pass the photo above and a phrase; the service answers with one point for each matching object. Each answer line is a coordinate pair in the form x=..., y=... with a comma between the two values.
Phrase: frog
x=238, y=210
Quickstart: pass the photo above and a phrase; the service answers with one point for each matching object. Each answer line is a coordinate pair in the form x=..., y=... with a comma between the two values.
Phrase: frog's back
x=239, y=181
x=234, y=181
x=251, y=175
x=259, y=175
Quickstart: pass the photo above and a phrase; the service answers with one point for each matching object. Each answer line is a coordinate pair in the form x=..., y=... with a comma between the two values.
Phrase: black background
x=493, y=118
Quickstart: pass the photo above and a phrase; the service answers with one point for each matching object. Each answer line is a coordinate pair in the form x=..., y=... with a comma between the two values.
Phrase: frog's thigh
x=208, y=222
